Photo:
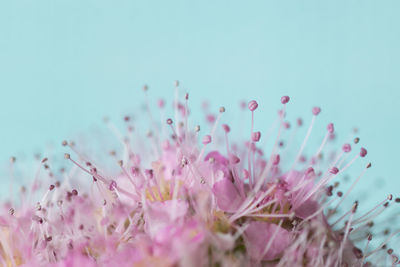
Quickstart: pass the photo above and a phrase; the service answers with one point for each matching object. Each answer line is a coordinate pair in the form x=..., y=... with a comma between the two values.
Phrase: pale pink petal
x=227, y=196
x=257, y=236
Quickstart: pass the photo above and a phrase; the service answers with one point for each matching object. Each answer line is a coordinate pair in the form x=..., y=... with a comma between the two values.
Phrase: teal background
x=66, y=64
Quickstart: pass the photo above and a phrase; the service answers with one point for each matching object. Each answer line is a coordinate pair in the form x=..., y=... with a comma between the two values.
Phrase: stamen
x=383, y=243
x=315, y=111
x=366, y=248
x=351, y=188
x=346, y=232
x=365, y=216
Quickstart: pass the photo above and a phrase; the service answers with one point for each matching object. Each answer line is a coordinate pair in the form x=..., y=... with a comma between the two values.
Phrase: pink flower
x=180, y=198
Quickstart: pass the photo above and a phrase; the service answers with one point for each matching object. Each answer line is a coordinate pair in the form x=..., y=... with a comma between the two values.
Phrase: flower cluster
x=182, y=198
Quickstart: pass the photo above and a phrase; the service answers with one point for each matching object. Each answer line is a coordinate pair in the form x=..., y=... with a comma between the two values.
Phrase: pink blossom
x=178, y=196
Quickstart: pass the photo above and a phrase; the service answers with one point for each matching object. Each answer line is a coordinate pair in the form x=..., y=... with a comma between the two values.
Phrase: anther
x=357, y=252
x=222, y=109
x=184, y=162
x=276, y=159
x=386, y=232
x=346, y=148
x=226, y=128
x=285, y=99
x=330, y=128
x=316, y=110
x=67, y=156
x=149, y=173
x=329, y=190
x=37, y=219
x=161, y=103
x=309, y=170
x=354, y=208
x=363, y=152
x=334, y=170
x=169, y=121
x=252, y=105
x=246, y=174
x=299, y=122
x=233, y=159
x=113, y=185
x=255, y=136
x=64, y=143
x=206, y=139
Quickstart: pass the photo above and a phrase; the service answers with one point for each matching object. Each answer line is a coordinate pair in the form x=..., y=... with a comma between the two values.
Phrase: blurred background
x=64, y=65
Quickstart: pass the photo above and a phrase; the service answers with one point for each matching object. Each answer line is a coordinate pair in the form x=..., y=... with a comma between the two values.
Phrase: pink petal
x=306, y=209
x=228, y=198
x=257, y=236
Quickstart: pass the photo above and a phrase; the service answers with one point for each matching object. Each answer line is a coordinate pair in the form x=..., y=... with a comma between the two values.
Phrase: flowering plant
x=178, y=201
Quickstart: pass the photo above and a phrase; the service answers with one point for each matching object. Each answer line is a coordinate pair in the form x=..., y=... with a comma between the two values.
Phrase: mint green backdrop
x=66, y=64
